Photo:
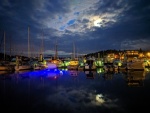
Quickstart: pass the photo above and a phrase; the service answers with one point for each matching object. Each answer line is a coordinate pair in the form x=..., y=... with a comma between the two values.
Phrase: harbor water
x=71, y=91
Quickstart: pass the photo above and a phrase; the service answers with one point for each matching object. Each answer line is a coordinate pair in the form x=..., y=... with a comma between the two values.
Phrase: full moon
x=97, y=22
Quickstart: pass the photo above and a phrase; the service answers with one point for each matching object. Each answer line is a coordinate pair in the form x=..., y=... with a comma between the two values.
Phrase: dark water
x=74, y=92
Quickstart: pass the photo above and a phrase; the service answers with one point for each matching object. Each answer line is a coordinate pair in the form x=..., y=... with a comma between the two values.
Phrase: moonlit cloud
x=105, y=24
x=84, y=98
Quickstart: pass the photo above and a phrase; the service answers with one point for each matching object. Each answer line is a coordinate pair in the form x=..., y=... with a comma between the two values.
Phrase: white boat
x=23, y=66
x=51, y=65
x=135, y=65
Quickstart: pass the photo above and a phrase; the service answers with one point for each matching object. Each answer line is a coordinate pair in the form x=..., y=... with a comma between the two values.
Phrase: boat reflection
x=53, y=74
x=90, y=74
x=23, y=73
x=73, y=73
x=5, y=75
x=147, y=70
x=4, y=72
x=135, y=78
x=108, y=75
x=100, y=70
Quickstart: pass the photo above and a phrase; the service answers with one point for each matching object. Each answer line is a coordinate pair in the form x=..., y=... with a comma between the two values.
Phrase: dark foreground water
x=74, y=92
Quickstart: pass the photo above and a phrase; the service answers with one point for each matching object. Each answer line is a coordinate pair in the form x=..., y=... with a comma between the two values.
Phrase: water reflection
x=73, y=73
x=132, y=78
x=108, y=75
x=90, y=74
x=100, y=99
x=100, y=70
x=135, y=78
x=5, y=75
x=24, y=74
x=53, y=89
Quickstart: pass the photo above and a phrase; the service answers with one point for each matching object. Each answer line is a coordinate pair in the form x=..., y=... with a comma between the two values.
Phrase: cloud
x=75, y=98
x=103, y=23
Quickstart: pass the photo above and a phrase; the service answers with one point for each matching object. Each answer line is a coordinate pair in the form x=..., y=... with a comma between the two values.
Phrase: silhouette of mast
x=4, y=45
x=28, y=42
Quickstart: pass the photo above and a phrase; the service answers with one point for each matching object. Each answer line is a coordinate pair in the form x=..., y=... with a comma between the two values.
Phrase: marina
x=74, y=56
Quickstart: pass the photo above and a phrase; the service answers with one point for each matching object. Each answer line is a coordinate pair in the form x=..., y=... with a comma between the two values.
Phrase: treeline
x=105, y=52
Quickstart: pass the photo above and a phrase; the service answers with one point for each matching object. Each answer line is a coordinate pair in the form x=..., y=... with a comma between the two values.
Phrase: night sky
x=91, y=25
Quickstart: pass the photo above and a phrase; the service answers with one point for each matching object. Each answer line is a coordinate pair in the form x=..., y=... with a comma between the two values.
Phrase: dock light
x=148, y=54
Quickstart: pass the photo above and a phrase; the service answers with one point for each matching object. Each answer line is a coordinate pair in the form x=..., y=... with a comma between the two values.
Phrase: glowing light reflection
x=100, y=99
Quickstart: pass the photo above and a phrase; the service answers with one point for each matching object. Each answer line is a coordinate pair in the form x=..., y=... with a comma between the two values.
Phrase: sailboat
x=44, y=63
x=56, y=60
x=40, y=63
x=74, y=62
x=23, y=65
x=4, y=65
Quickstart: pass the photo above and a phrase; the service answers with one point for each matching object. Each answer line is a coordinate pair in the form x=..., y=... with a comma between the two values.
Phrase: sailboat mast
x=4, y=45
x=28, y=43
x=73, y=51
x=10, y=46
x=56, y=54
x=42, y=43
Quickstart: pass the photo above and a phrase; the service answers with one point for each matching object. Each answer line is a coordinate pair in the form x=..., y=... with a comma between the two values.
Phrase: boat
x=135, y=65
x=36, y=65
x=74, y=62
x=89, y=65
x=23, y=66
x=99, y=63
x=119, y=65
x=64, y=63
x=82, y=62
x=57, y=62
x=46, y=63
x=5, y=66
x=146, y=63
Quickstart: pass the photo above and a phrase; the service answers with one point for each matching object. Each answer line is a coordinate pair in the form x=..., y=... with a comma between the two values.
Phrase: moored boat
x=89, y=65
x=73, y=65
